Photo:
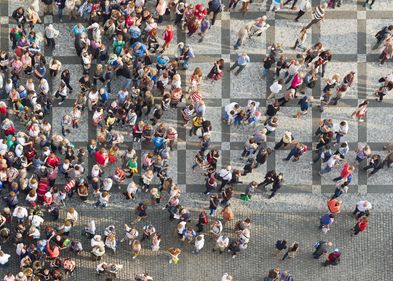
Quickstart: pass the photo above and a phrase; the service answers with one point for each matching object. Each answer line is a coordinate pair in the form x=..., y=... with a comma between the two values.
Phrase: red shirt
x=100, y=159
x=53, y=161
x=168, y=36
x=345, y=172
x=362, y=224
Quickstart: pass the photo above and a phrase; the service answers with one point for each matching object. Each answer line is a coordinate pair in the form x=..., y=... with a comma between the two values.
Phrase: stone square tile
x=211, y=43
x=64, y=42
x=327, y=179
x=379, y=122
x=214, y=115
x=372, y=27
x=238, y=164
x=362, y=58
x=339, y=114
x=374, y=72
x=226, y=146
x=209, y=88
x=4, y=20
x=255, y=45
x=340, y=40
x=181, y=145
x=48, y=19
x=301, y=128
x=362, y=189
x=241, y=133
x=241, y=85
x=287, y=31
x=80, y=134
x=300, y=171
x=382, y=5
x=76, y=73
x=361, y=15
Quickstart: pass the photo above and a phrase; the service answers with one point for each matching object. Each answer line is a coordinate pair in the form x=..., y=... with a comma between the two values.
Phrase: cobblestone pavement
x=366, y=257
x=349, y=33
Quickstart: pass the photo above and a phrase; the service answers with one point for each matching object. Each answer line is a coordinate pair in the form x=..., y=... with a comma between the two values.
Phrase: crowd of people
x=119, y=44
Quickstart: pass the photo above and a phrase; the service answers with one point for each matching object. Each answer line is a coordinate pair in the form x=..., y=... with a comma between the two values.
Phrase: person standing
x=317, y=15
x=362, y=208
x=241, y=62
x=375, y=163
x=321, y=248
x=360, y=226
x=60, y=6
x=334, y=206
x=50, y=34
x=225, y=175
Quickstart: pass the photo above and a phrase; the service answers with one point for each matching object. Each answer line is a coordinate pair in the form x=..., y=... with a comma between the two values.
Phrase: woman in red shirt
x=168, y=36
x=360, y=226
x=345, y=172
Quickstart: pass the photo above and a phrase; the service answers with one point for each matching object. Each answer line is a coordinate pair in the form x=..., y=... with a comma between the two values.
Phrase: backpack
x=203, y=218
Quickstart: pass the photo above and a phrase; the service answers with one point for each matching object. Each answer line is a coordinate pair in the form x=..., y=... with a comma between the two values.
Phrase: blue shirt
x=140, y=52
x=243, y=60
x=78, y=30
x=135, y=32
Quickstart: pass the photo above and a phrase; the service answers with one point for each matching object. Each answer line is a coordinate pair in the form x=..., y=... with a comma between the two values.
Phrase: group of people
x=119, y=44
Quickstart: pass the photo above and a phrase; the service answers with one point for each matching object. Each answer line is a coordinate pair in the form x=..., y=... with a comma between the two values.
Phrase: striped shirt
x=318, y=13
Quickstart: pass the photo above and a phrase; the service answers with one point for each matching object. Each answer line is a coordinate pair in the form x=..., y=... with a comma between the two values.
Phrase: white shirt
x=225, y=174
x=4, y=258
x=361, y=207
x=200, y=243
x=20, y=213
x=275, y=87
x=221, y=242
x=36, y=220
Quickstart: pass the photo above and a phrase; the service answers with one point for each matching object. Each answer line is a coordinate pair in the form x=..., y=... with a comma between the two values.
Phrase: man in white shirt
x=50, y=34
x=20, y=213
x=275, y=89
x=36, y=220
x=226, y=176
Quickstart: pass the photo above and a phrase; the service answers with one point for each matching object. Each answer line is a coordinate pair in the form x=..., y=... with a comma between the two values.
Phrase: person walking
x=360, y=226
x=370, y=5
x=241, y=62
x=215, y=7
x=321, y=248
x=279, y=246
x=345, y=172
x=292, y=251
x=317, y=15
x=304, y=6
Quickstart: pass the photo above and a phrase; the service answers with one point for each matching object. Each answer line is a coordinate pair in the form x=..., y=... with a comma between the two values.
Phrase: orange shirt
x=333, y=207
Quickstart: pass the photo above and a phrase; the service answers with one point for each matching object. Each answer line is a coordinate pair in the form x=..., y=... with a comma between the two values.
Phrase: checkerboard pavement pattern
x=348, y=31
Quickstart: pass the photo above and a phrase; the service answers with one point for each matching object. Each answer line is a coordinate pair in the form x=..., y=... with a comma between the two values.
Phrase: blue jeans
x=338, y=138
x=291, y=153
x=237, y=44
x=108, y=87
x=326, y=170
x=60, y=14
x=265, y=72
x=126, y=83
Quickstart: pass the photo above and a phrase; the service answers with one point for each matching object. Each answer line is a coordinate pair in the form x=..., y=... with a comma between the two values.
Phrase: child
x=199, y=243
